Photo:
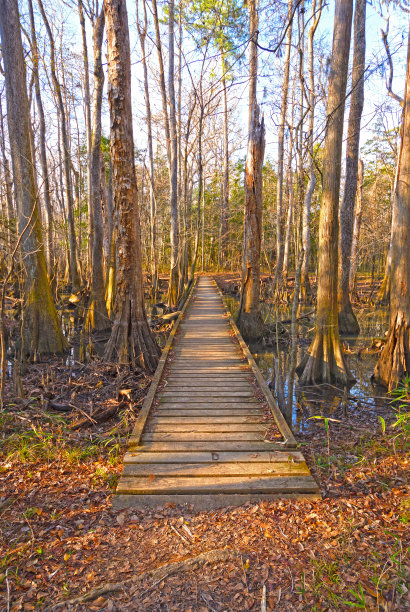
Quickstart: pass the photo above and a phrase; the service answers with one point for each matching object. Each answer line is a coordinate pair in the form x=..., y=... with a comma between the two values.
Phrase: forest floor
x=61, y=540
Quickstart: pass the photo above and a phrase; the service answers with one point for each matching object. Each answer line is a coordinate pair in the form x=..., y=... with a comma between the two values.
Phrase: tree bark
x=173, y=196
x=324, y=361
x=131, y=340
x=8, y=185
x=87, y=105
x=281, y=150
x=356, y=227
x=41, y=329
x=249, y=318
x=97, y=315
x=348, y=323
x=43, y=154
x=225, y=189
x=142, y=32
x=394, y=362
x=306, y=291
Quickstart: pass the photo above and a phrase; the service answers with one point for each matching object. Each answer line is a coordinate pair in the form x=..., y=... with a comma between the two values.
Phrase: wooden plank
x=251, y=446
x=201, y=436
x=208, y=380
x=206, y=384
x=201, y=502
x=204, y=485
x=207, y=457
x=234, y=418
x=211, y=414
x=253, y=405
x=205, y=399
x=233, y=389
x=193, y=470
x=200, y=428
x=198, y=393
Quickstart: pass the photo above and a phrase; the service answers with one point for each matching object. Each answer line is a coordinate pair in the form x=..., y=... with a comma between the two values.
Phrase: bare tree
x=348, y=323
x=73, y=261
x=131, y=340
x=324, y=361
x=394, y=362
x=305, y=284
x=281, y=149
x=41, y=328
x=249, y=318
x=97, y=315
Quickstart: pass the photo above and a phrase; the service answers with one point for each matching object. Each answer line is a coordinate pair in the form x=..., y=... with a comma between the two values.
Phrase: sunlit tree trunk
x=394, y=362
x=356, y=227
x=131, y=340
x=324, y=361
x=8, y=186
x=173, y=196
x=281, y=150
x=249, y=317
x=288, y=226
x=305, y=289
x=225, y=188
x=348, y=323
x=41, y=330
x=87, y=105
x=97, y=315
x=383, y=296
x=142, y=32
x=43, y=154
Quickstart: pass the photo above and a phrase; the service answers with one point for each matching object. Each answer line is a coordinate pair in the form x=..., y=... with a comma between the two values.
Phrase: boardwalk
x=209, y=433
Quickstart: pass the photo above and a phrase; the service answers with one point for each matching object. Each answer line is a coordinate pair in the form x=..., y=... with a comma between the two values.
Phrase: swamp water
x=321, y=400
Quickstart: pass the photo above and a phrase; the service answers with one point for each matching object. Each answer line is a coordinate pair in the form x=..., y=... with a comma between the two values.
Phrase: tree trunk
x=43, y=154
x=394, y=362
x=75, y=279
x=225, y=188
x=324, y=361
x=8, y=185
x=142, y=31
x=41, y=329
x=281, y=150
x=173, y=196
x=348, y=323
x=249, y=318
x=131, y=340
x=87, y=104
x=288, y=227
x=97, y=315
x=383, y=296
x=306, y=291
x=356, y=227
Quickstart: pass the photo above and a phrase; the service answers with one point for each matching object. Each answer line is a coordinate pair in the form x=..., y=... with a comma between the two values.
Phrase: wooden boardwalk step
x=193, y=470
x=210, y=457
x=201, y=437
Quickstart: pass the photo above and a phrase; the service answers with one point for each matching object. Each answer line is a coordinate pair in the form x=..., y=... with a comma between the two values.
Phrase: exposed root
x=394, y=360
x=348, y=324
x=324, y=362
x=251, y=325
x=212, y=556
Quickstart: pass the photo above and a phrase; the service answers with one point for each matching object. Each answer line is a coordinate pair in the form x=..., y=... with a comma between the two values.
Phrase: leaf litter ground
x=61, y=539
